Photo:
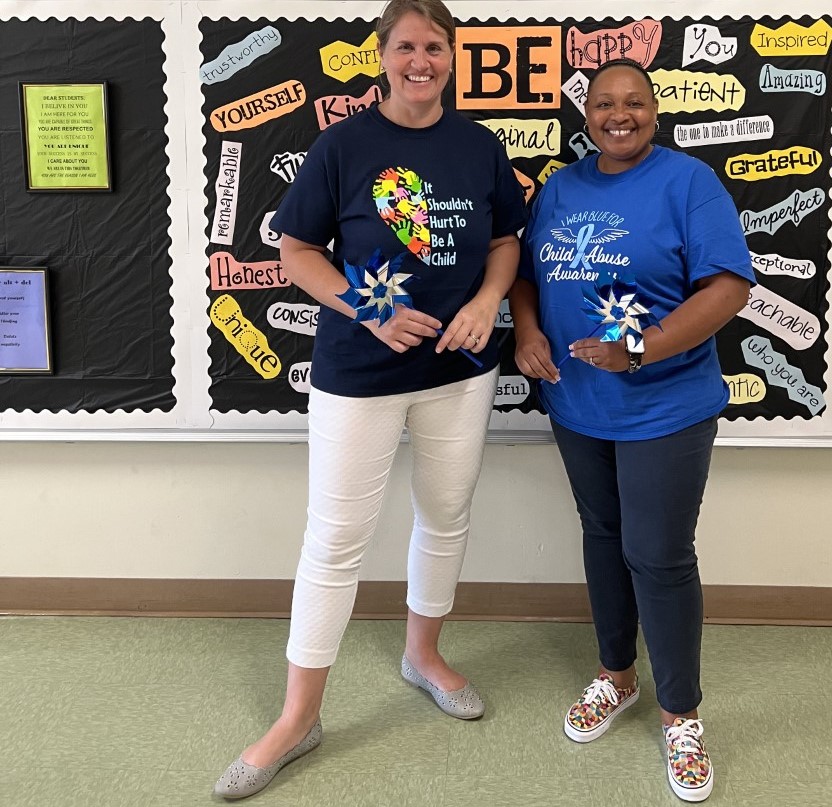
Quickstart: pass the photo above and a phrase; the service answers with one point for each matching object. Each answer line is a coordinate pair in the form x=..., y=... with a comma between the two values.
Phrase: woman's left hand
x=470, y=328
x=609, y=356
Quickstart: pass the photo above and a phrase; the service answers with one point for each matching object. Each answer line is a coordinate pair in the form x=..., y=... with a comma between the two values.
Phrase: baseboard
x=567, y=602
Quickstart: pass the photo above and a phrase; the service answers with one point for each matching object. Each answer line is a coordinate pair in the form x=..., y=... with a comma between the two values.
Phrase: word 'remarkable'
x=638, y=41
x=792, y=39
x=246, y=339
x=260, y=107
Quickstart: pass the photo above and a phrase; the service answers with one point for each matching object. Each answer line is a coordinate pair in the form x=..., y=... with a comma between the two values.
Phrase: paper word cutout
x=267, y=235
x=247, y=340
x=745, y=388
x=792, y=39
x=772, y=79
x=706, y=43
x=511, y=390
x=575, y=89
x=686, y=91
x=239, y=55
x=299, y=376
x=226, y=187
x=759, y=127
x=295, y=317
x=504, y=318
x=758, y=352
x=229, y=274
x=527, y=137
x=256, y=109
x=793, y=208
x=549, y=169
x=774, y=163
x=772, y=264
x=526, y=183
x=287, y=164
x=582, y=145
x=508, y=67
x=332, y=108
x=638, y=41
x=343, y=61
x=794, y=325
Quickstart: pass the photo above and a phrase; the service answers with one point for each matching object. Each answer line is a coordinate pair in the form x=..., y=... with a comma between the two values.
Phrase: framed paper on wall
x=65, y=132
x=25, y=338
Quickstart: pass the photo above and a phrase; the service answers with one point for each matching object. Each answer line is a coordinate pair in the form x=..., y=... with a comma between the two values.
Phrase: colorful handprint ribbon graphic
x=399, y=194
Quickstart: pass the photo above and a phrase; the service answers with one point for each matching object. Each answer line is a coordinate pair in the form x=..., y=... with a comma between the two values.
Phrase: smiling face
x=621, y=113
x=417, y=59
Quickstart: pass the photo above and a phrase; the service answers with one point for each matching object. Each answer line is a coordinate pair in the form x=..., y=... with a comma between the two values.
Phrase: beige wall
x=235, y=510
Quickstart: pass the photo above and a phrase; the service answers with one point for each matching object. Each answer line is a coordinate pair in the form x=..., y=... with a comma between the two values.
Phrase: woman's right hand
x=533, y=356
x=405, y=329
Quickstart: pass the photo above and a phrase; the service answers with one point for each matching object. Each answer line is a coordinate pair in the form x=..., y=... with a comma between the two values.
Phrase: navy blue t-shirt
x=439, y=195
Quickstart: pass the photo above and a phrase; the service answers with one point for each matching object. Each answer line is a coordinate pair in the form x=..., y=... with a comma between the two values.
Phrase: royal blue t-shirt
x=667, y=222
x=438, y=195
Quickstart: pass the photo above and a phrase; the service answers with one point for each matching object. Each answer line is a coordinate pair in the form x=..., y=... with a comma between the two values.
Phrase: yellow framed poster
x=65, y=137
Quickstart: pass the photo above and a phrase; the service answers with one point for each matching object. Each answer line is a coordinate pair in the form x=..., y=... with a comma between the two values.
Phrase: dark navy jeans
x=639, y=503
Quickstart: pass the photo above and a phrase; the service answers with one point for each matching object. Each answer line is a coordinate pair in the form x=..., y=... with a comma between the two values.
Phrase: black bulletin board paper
x=107, y=253
x=798, y=118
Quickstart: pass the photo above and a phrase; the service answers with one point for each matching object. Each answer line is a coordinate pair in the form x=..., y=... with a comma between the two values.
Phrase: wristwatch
x=635, y=352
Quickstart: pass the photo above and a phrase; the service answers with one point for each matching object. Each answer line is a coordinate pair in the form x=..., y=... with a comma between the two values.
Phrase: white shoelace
x=600, y=689
x=684, y=739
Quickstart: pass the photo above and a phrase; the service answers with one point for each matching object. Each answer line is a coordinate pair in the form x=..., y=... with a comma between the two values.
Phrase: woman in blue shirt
x=635, y=420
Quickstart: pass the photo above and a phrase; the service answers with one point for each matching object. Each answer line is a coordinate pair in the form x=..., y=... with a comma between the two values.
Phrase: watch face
x=632, y=344
x=633, y=362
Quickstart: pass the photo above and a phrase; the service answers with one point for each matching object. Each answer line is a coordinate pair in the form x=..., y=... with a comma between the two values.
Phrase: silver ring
x=591, y=361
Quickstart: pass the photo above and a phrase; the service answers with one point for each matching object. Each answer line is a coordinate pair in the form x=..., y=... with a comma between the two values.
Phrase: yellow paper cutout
x=526, y=137
x=686, y=91
x=549, y=169
x=774, y=163
x=248, y=341
x=745, y=388
x=342, y=61
x=792, y=39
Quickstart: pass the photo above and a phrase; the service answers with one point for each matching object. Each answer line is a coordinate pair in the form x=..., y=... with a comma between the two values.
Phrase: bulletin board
x=209, y=117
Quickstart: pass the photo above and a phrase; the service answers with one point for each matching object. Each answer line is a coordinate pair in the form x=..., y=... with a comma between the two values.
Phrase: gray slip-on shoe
x=465, y=703
x=241, y=779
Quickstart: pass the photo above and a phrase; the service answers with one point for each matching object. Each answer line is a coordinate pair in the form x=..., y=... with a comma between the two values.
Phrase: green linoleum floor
x=128, y=712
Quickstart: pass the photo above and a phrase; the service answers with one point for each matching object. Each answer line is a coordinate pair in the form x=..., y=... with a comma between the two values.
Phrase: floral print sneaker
x=595, y=710
x=688, y=764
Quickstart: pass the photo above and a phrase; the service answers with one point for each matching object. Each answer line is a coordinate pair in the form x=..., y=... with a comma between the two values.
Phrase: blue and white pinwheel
x=376, y=288
x=621, y=310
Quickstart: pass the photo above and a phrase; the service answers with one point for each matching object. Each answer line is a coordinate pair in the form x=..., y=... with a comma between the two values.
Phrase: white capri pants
x=352, y=443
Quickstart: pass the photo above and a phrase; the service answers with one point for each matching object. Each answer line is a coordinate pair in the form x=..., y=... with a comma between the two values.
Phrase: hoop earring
x=657, y=126
x=586, y=128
